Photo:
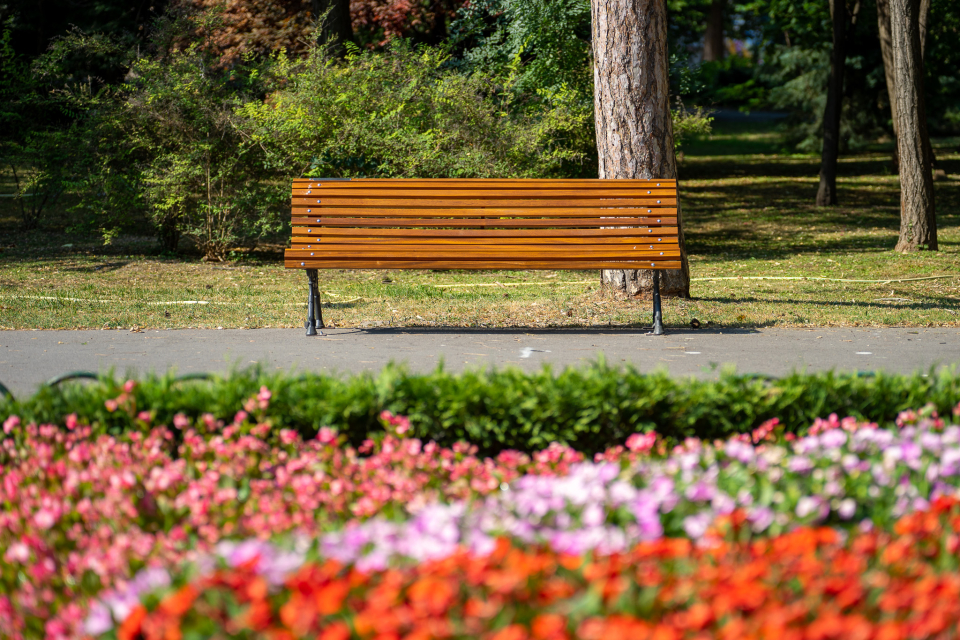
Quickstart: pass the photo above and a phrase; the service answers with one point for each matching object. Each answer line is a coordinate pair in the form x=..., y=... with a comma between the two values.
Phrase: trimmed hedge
x=587, y=408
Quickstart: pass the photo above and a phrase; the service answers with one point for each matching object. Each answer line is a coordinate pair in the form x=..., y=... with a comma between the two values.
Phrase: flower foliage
x=809, y=583
x=87, y=516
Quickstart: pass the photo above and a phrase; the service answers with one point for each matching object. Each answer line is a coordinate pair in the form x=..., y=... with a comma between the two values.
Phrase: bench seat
x=481, y=224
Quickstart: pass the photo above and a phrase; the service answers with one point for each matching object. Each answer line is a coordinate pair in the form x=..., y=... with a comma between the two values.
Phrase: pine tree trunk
x=886, y=50
x=827, y=192
x=918, y=222
x=335, y=26
x=713, y=49
x=633, y=123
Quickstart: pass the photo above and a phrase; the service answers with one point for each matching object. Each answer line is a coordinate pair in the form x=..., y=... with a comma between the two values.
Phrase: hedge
x=588, y=408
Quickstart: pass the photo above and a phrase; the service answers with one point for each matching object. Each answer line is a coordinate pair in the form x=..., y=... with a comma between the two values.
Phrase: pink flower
x=71, y=421
x=240, y=417
x=44, y=519
x=180, y=421
x=13, y=422
x=263, y=398
x=641, y=442
x=111, y=405
x=129, y=385
x=326, y=435
x=144, y=416
x=18, y=552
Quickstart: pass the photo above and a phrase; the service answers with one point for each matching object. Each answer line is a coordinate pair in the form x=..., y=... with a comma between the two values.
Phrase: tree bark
x=886, y=51
x=918, y=222
x=827, y=192
x=334, y=26
x=713, y=45
x=633, y=122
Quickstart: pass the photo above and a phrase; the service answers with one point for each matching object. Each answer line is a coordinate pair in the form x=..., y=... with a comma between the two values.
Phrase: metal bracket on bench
x=314, y=312
x=657, y=312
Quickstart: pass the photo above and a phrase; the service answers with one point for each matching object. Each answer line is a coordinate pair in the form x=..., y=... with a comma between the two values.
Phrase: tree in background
x=918, y=222
x=886, y=48
x=632, y=107
x=334, y=24
x=842, y=18
x=714, y=47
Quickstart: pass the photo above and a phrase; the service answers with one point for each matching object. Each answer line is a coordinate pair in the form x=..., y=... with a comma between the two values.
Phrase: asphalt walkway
x=29, y=358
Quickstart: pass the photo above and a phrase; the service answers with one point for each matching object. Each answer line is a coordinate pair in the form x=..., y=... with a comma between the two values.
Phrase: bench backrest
x=484, y=224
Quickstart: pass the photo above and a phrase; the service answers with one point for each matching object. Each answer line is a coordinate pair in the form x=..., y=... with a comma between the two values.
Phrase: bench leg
x=657, y=312
x=314, y=313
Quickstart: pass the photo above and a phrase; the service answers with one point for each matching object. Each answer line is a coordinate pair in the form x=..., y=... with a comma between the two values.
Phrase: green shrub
x=405, y=113
x=590, y=408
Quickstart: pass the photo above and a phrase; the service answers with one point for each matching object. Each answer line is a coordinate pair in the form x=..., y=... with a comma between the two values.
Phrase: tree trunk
x=334, y=25
x=713, y=49
x=632, y=108
x=827, y=192
x=918, y=222
x=886, y=50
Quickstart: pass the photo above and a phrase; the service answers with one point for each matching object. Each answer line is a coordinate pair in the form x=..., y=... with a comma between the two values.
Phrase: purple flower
x=739, y=451
x=696, y=525
x=98, y=620
x=760, y=518
x=722, y=503
x=800, y=464
x=848, y=506
x=931, y=441
x=833, y=438
x=849, y=462
x=810, y=505
x=700, y=492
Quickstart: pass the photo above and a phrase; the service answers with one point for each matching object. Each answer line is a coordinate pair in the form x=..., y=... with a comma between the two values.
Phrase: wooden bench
x=482, y=224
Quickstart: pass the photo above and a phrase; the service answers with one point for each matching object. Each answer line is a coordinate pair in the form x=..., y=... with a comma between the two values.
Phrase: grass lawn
x=761, y=254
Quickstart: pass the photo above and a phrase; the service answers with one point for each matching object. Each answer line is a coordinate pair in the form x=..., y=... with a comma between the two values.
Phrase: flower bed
x=81, y=515
x=809, y=583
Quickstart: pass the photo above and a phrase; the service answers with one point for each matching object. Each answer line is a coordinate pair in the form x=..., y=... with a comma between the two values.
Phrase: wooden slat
x=484, y=224
x=480, y=183
x=544, y=212
x=496, y=194
x=321, y=241
x=393, y=203
x=625, y=252
x=573, y=263
x=473, y=233
x=320, y=220
x=473, y=223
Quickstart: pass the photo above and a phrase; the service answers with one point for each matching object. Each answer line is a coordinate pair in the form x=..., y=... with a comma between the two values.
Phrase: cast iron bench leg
x=657, y=313
x=314, y=312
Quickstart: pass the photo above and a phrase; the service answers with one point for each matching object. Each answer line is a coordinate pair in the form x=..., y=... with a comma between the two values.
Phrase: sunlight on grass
x=747, y=213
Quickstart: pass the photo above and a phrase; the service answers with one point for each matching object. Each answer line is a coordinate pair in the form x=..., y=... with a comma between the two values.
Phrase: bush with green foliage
x=35, y=135
x=405, y=113
x=202, y=174
x=589, y=409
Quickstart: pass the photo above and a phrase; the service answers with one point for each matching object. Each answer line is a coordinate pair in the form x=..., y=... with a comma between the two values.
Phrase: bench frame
x=373, y=217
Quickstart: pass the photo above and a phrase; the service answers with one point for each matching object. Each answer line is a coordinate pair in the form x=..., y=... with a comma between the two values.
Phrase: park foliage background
x=187, y=119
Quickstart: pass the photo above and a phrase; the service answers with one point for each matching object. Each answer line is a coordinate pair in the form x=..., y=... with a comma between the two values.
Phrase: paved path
x=28, y=358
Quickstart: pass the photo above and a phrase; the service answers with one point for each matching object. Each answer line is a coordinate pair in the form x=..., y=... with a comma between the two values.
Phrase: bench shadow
x=548, y=331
